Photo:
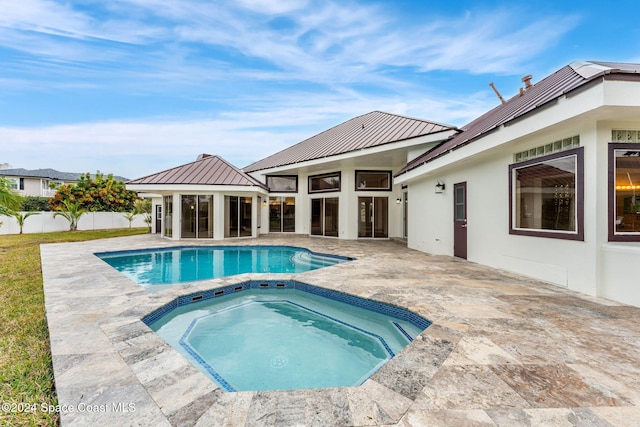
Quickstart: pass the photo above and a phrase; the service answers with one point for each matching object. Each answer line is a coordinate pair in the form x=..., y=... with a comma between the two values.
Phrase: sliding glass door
x=197, y=217
x=237, y=216
x=282, y=214
x=324, y=217
x=373, y=217
x=205, y=217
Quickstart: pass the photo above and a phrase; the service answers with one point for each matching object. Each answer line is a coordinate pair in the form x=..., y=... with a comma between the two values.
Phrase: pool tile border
x=371, y=305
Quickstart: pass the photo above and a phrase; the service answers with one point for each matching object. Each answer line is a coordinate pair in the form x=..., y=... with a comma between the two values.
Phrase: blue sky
x=132, y=87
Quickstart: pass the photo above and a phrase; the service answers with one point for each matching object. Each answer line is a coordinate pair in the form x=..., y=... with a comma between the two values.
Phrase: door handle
x=464, y=226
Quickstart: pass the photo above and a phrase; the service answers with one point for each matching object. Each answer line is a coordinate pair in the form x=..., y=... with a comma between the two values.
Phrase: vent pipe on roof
x=527, y=81
x=497, y=93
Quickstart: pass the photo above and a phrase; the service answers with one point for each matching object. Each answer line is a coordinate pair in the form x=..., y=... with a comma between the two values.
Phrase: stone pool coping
x=111, y=369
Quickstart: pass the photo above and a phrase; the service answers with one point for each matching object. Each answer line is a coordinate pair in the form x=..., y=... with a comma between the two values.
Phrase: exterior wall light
x=440, y=187
x=398, y=200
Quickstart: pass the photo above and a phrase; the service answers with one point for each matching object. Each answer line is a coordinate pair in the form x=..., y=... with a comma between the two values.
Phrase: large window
x=324, y=217
x=547, y=196
x=373, y=180
x=624, y=192
x=237, y=216
x=168, y=216
x=282, y=183
x=282, y=214
x=324, y=183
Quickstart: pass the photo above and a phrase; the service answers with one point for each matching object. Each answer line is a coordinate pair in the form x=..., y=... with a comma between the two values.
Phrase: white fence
x=44, y=222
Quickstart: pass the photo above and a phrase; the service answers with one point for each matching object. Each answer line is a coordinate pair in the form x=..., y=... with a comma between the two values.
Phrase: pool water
x=283, y=339
x=192, y=263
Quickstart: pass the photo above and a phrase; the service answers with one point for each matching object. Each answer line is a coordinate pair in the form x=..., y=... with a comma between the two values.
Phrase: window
x=550, y=148
x=282, y=214
x=237, y=216
x=168, y=216
x=619, y=135
x=373, y=180
x=624, y=192
x=547, y=196
x=282, y=183
x=16, y=183
x=324, y=183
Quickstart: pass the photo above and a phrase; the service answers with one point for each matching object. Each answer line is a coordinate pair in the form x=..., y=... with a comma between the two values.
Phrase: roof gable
x=206, y=170
x=369, y=130
x=540, y=95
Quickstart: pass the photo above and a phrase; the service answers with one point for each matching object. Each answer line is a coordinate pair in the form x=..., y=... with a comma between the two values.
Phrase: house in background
x=546, y=184
x=38, y=182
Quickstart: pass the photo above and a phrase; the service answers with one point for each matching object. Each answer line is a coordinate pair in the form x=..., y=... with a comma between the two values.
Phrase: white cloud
x=273, y=7
x=324, y=42
x=137, y=148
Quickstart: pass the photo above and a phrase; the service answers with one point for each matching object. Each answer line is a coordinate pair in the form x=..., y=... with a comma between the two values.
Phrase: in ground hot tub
x=283, y=335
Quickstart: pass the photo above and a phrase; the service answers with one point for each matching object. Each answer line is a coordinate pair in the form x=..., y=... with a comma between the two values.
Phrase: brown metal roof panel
x=196, y=172
x=547, y=90
x=384, y=130
x=211, y=170
x=379, y=128
x=492, y=119
x=409, y=130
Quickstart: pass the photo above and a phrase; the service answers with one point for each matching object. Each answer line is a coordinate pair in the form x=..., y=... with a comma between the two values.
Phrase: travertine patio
x=502, y=350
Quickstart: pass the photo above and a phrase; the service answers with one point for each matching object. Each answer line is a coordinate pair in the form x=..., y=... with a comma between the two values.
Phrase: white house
x=542, y=185
x=546, y=185
x=335, y=184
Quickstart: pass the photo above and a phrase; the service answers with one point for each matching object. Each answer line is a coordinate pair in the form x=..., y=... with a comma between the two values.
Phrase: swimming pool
x=191, y=263
x=272, y=335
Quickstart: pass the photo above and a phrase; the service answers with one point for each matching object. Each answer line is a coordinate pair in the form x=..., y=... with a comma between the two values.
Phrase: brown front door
x=460, y=220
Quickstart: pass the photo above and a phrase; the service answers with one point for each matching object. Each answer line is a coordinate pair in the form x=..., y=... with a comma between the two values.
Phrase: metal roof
x=541, y=94
x=47, y=174
x=369, y=130
x=206, y=170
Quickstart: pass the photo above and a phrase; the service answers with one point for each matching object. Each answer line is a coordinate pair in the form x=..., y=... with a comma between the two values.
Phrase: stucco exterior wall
x=593, y=266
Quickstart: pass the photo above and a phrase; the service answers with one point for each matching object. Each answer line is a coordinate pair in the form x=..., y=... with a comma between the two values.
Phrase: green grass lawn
x=26, y=372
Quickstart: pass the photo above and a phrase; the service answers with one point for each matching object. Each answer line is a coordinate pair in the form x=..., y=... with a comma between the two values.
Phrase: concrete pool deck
x=502, y=350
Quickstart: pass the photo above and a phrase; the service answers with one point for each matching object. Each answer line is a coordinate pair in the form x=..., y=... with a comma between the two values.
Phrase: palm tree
x=130, y=216
x=143, y=207
x=71, y=212
x=21, y=218
x=9, y=199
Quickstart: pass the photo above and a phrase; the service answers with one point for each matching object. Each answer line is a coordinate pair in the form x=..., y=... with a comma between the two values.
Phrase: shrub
x=35, y=203
x=97, y=194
